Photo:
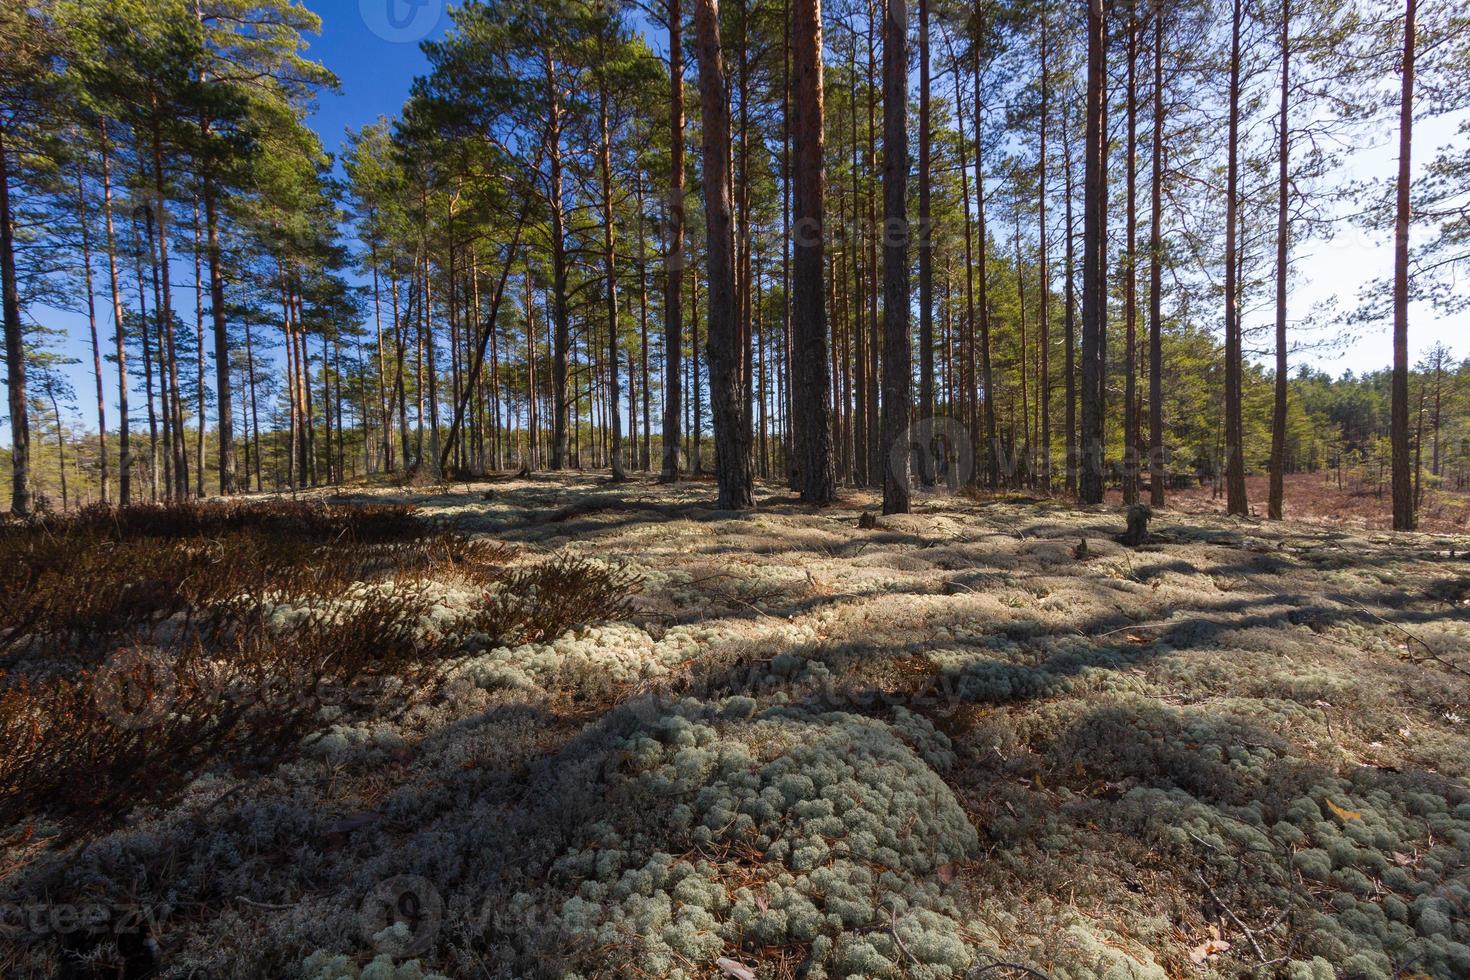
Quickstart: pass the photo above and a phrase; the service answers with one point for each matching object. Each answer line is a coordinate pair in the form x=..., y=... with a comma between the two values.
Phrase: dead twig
x=1433, y=654
x=980, y=971
x=1250, y=933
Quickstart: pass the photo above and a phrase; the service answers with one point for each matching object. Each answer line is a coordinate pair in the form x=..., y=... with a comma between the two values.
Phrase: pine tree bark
x=15, y=354
x=85, y=223
x=967, y=347
x=897, y=357
x=1130, y=283
x=785, y=397
x=1156, y=455
x=164, y=308
x=1235, y=494
x=1045, y=272
x=199, y=404
x=1276, y=504
x=811, y=333
x=561, y=337
x=147, y=362
x=1091, y=482
x=1404, y=515
x=987, y=366
x=124, y=458
x=877, y=466
x=926, y=249
x=1069, y=314
x=609, y=270
x=857, y=307
x=732, y=437
x=674, y=257
x=228, y=480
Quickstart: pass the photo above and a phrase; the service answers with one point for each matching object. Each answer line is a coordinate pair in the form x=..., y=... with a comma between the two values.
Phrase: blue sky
x=373, y=49
x=375, y=72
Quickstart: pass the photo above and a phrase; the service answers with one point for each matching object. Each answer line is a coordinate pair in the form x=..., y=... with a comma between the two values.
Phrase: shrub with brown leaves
x=539, y=603
x=161, y=652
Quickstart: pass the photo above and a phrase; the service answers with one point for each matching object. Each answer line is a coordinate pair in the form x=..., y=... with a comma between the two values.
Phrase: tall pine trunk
x=1278, y=413
x=228, y=481
x=1045, y=272
x=812, y=397
x=609, y=270
x=897, y=357
x=1091, y=483
x=1156, y=455
x=987, y=366
x=926, y=250
x=84, y=222
x=1069, y=315
x=732, y=439
x=15, y=354
x=1404, y=517
x=1235, y=495
x=124, y=458
x=674, y=257
x=1130, y=284
x=561, y=337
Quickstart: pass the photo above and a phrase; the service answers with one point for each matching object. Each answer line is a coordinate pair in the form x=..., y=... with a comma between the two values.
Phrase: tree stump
x=1137, y=533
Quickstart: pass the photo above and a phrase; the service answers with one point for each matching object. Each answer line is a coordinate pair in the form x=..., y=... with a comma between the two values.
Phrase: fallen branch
x=1250, y=933
x=980, y=971
x=1433, y=654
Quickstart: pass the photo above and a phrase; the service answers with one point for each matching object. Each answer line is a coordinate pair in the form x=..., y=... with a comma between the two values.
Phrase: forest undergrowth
x=540, y=727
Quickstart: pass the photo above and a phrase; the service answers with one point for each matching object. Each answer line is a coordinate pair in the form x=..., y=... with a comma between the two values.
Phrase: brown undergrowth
x=140, y=647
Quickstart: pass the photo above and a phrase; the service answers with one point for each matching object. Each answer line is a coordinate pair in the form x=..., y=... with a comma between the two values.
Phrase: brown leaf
x=1208, y=950
x=735, y=969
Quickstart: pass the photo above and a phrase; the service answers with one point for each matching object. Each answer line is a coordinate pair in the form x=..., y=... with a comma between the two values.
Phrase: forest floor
x=1317, y=498
x=980, y=740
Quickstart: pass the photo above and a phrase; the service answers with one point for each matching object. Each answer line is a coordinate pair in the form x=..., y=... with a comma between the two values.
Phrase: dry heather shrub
x=540, y=603
x=140, y=728
x=78, y=587
x=298, y=519
x=72, y=751
x=254, y=619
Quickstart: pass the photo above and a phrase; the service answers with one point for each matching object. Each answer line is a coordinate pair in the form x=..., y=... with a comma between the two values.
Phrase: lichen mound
x=822, y=832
